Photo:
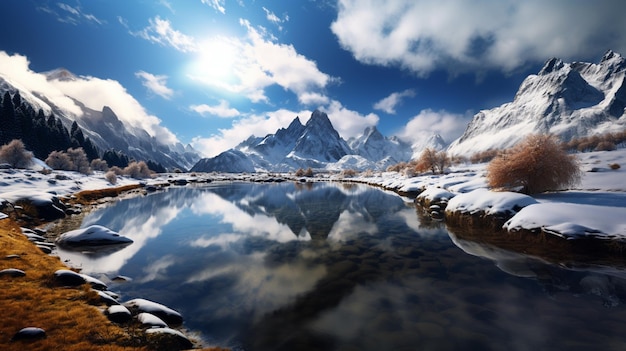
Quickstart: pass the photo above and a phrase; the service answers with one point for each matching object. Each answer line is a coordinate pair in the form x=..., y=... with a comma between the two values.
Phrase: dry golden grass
x=70, y=322
x=88, y=196
x=68, y=315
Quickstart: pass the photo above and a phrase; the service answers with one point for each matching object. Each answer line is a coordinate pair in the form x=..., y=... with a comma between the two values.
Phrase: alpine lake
x=341, y=266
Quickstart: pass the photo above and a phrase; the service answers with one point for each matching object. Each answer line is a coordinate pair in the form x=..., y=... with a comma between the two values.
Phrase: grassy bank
x=71, y=317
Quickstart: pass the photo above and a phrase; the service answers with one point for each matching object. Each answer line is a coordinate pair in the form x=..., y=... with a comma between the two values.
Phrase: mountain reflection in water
x=323, y=266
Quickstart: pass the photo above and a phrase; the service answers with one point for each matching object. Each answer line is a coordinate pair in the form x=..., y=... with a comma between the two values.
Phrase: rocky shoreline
x=145, y=323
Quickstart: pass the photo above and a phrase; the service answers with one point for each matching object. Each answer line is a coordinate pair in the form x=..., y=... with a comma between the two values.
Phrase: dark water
x=345, y=267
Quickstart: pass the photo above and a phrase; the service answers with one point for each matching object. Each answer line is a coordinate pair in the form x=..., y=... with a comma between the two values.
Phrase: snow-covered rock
x=571, y=221
x=92, y=236
x=150, y=320
x=167, y=314
x=118, y=314
x=489, y=202
x=171, y=337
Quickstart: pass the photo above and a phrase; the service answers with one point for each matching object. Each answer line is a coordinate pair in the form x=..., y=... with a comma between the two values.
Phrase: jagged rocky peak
x=61, y=74
x=552, y=65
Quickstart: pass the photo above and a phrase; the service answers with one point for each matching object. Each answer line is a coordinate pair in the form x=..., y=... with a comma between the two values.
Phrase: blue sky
x=213, y=72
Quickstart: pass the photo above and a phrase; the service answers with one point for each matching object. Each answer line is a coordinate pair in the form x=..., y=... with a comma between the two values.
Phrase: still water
x=329, y=266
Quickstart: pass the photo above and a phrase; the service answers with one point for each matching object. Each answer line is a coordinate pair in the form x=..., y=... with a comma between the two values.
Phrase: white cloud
x=73, y=15
x=221, y=110
x=250, y=64
x=389, y=103
x=217, y=5
x=241, y=129
x=458, y=35
x=271, y=16
x=428, y=123
x=160, y=31
x=95, y=93
x=309, y=99
x=347, y=122
x=156, y=84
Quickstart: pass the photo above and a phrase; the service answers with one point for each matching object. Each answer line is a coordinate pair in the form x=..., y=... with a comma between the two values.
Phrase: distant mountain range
x=316, y=145
x=565, y=99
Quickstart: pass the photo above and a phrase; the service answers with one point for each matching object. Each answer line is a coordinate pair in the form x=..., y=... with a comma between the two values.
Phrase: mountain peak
x=61, y=74
x=319, y=118
x=552, y=65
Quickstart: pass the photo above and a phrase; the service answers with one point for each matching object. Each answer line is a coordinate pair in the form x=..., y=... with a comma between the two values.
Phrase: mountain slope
x=565, y=99
x=103, y=127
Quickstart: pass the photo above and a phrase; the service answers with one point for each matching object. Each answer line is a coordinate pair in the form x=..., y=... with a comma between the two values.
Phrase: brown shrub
x=433, y=160
x=59, y=160
x=605, y=146
x=15, y=154
x=99, y=165
x=614, y=166
x=138, y=170
x=536, y=164
x=111, y=177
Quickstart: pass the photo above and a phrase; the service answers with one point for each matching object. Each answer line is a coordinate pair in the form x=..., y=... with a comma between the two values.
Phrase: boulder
x=170, y=338
x=118, y=314
x=65, y=277
x=150, y=320
x=93, y=236
x=167, y=314
x=29, y=333
x=12, y=272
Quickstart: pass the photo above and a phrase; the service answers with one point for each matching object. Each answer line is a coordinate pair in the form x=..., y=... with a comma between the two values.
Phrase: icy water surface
x=328, y=266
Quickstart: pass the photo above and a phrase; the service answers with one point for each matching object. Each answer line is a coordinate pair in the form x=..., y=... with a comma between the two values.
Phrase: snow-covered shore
x=594, y=208
x=597, y=206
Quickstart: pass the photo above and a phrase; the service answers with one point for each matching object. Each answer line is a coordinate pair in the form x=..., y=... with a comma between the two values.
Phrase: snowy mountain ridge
x=565, y=99
x=105, y=129
x=317, y=145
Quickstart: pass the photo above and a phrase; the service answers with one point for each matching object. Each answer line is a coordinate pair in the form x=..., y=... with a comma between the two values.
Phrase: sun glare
x=216, y=63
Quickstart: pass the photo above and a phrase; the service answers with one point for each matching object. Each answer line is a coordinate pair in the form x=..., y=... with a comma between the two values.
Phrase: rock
x=170, y=338
x=29, y=333
x=66, y=277
x=93, y=236
x=12, y=272
x=95, y=283
x=106, y=298
x=11, y=257
x=167, y=314
x=150, y=320
x=45, y=249
x=118, y=314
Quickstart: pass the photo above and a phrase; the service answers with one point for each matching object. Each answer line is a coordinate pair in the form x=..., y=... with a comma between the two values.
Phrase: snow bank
x=167, y=314
x=489, y=202
x=572, y=221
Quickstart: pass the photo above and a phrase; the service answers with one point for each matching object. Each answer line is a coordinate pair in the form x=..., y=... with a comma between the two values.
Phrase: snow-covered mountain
x=317, y=145
x=565, y=99
x=103, y=127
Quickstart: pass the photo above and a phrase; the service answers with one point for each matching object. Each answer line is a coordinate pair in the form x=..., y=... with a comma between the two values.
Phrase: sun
x=216, y=63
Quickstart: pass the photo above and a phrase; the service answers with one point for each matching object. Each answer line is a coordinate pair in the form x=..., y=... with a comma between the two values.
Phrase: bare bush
x=484, y=156
x=138, y=170
x=118, y=171
x=614, y=166
x=59, y=160
x=308, y=172
x=433, y=160
x=299, y=172
x=536, y=164
x=99, y=165
x=605, y=145
x=79, y=160
x=111, y=177
x=15, y=154
x=348, y=173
